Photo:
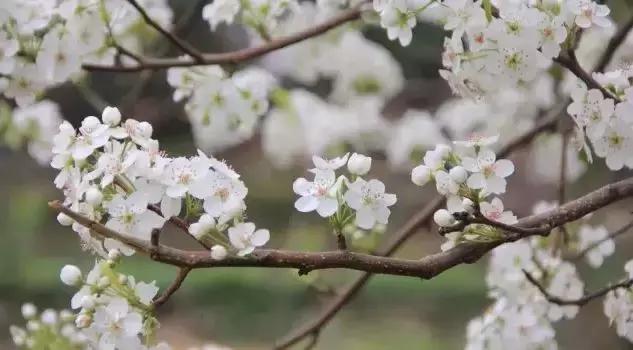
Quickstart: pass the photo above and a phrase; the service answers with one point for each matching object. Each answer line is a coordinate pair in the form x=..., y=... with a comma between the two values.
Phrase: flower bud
x=83, y=321
x=123, y=279
x=111, y=116
x=114, y=255
x=89, y=124
x=94, y=196
x=103, y=282
x=359, y=164
x=145, y=130
x=420, y=175
x=443, y=218
x=29, y=310
x=442, y=150
x=71, y=275
x=64, y=219
x=49, y=317
x=33, y=325
x=458, y=174
x=468, y=205
x=218, y=252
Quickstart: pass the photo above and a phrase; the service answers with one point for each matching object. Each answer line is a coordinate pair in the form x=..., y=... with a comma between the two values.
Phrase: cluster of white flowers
x=114, y=311
x=468, y=175
x=608, y=125
x=259, y=16
x=44, y=43
x=223, y=111
x=34, y=125
x=48, y=330
x=341, y=199
x=519, y=303
x=115, y=172
x=618, y=307
x=488, y=51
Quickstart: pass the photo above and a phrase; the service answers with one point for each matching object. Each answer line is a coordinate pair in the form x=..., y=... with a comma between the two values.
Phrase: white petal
x=306, y=204
x=327, y=207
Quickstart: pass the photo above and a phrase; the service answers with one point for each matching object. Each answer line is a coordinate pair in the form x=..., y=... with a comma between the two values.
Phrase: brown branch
x=613, y=46
x=341, y=243
x=546, y=122
x=570, y=62
x=426, y=267
x=237, y=56
x=181, y=44
x=581, y=301
x=173, y=287
x=622, y=230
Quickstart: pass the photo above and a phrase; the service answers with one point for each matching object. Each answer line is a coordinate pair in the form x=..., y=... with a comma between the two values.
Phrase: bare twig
x=581, y=301
x=183, y=272
x=234, y=56
x=181, y=44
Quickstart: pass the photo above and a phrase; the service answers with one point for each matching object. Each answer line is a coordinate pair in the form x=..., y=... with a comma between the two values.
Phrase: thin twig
x=183, y=272
x=571, y=63
x=581, y=301
x=237, y=56
x=341, y=243
x=622, y=230
x=613, y=46
x=181, y=44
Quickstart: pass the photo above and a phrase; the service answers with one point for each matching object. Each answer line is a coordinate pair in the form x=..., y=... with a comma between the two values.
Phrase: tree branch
x=234, y=56
x=181, y=44
x=547, y=122
x=571, y=63
x=613, y=46
x=173, y=287
x=426, y=267
x=581, y=301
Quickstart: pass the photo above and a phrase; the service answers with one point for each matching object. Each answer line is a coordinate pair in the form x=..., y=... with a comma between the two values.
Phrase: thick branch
x=426, y=268
x=581, y=301
x=178, y=42
x=237, y=56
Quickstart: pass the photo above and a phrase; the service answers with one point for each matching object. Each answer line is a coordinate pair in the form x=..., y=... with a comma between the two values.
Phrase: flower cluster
x=341, y=199
x=223, y=111
x=34, y=125
x=468, y=175
x=48, y=330
x=45, y=43
x=259, y=16
x=490, y=51
x=607, y=125
x=618, y=307
x=115, y=172
x=114, y=311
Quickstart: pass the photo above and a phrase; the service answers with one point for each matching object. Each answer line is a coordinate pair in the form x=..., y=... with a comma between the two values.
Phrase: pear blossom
x=488, y=173
x=588, y=12
x=131, y=216
x=494, y=211
x=359, y=164
x=370, y=201
x=319, y=195
x=70, y=275
x=245, y=238
x=589, y=236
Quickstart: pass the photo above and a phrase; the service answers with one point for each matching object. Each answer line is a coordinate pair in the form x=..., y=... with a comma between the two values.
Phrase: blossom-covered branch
x=233, y=57
x=580, y=301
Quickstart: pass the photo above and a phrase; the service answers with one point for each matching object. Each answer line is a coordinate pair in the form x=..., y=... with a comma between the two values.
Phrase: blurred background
x=251, y=308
